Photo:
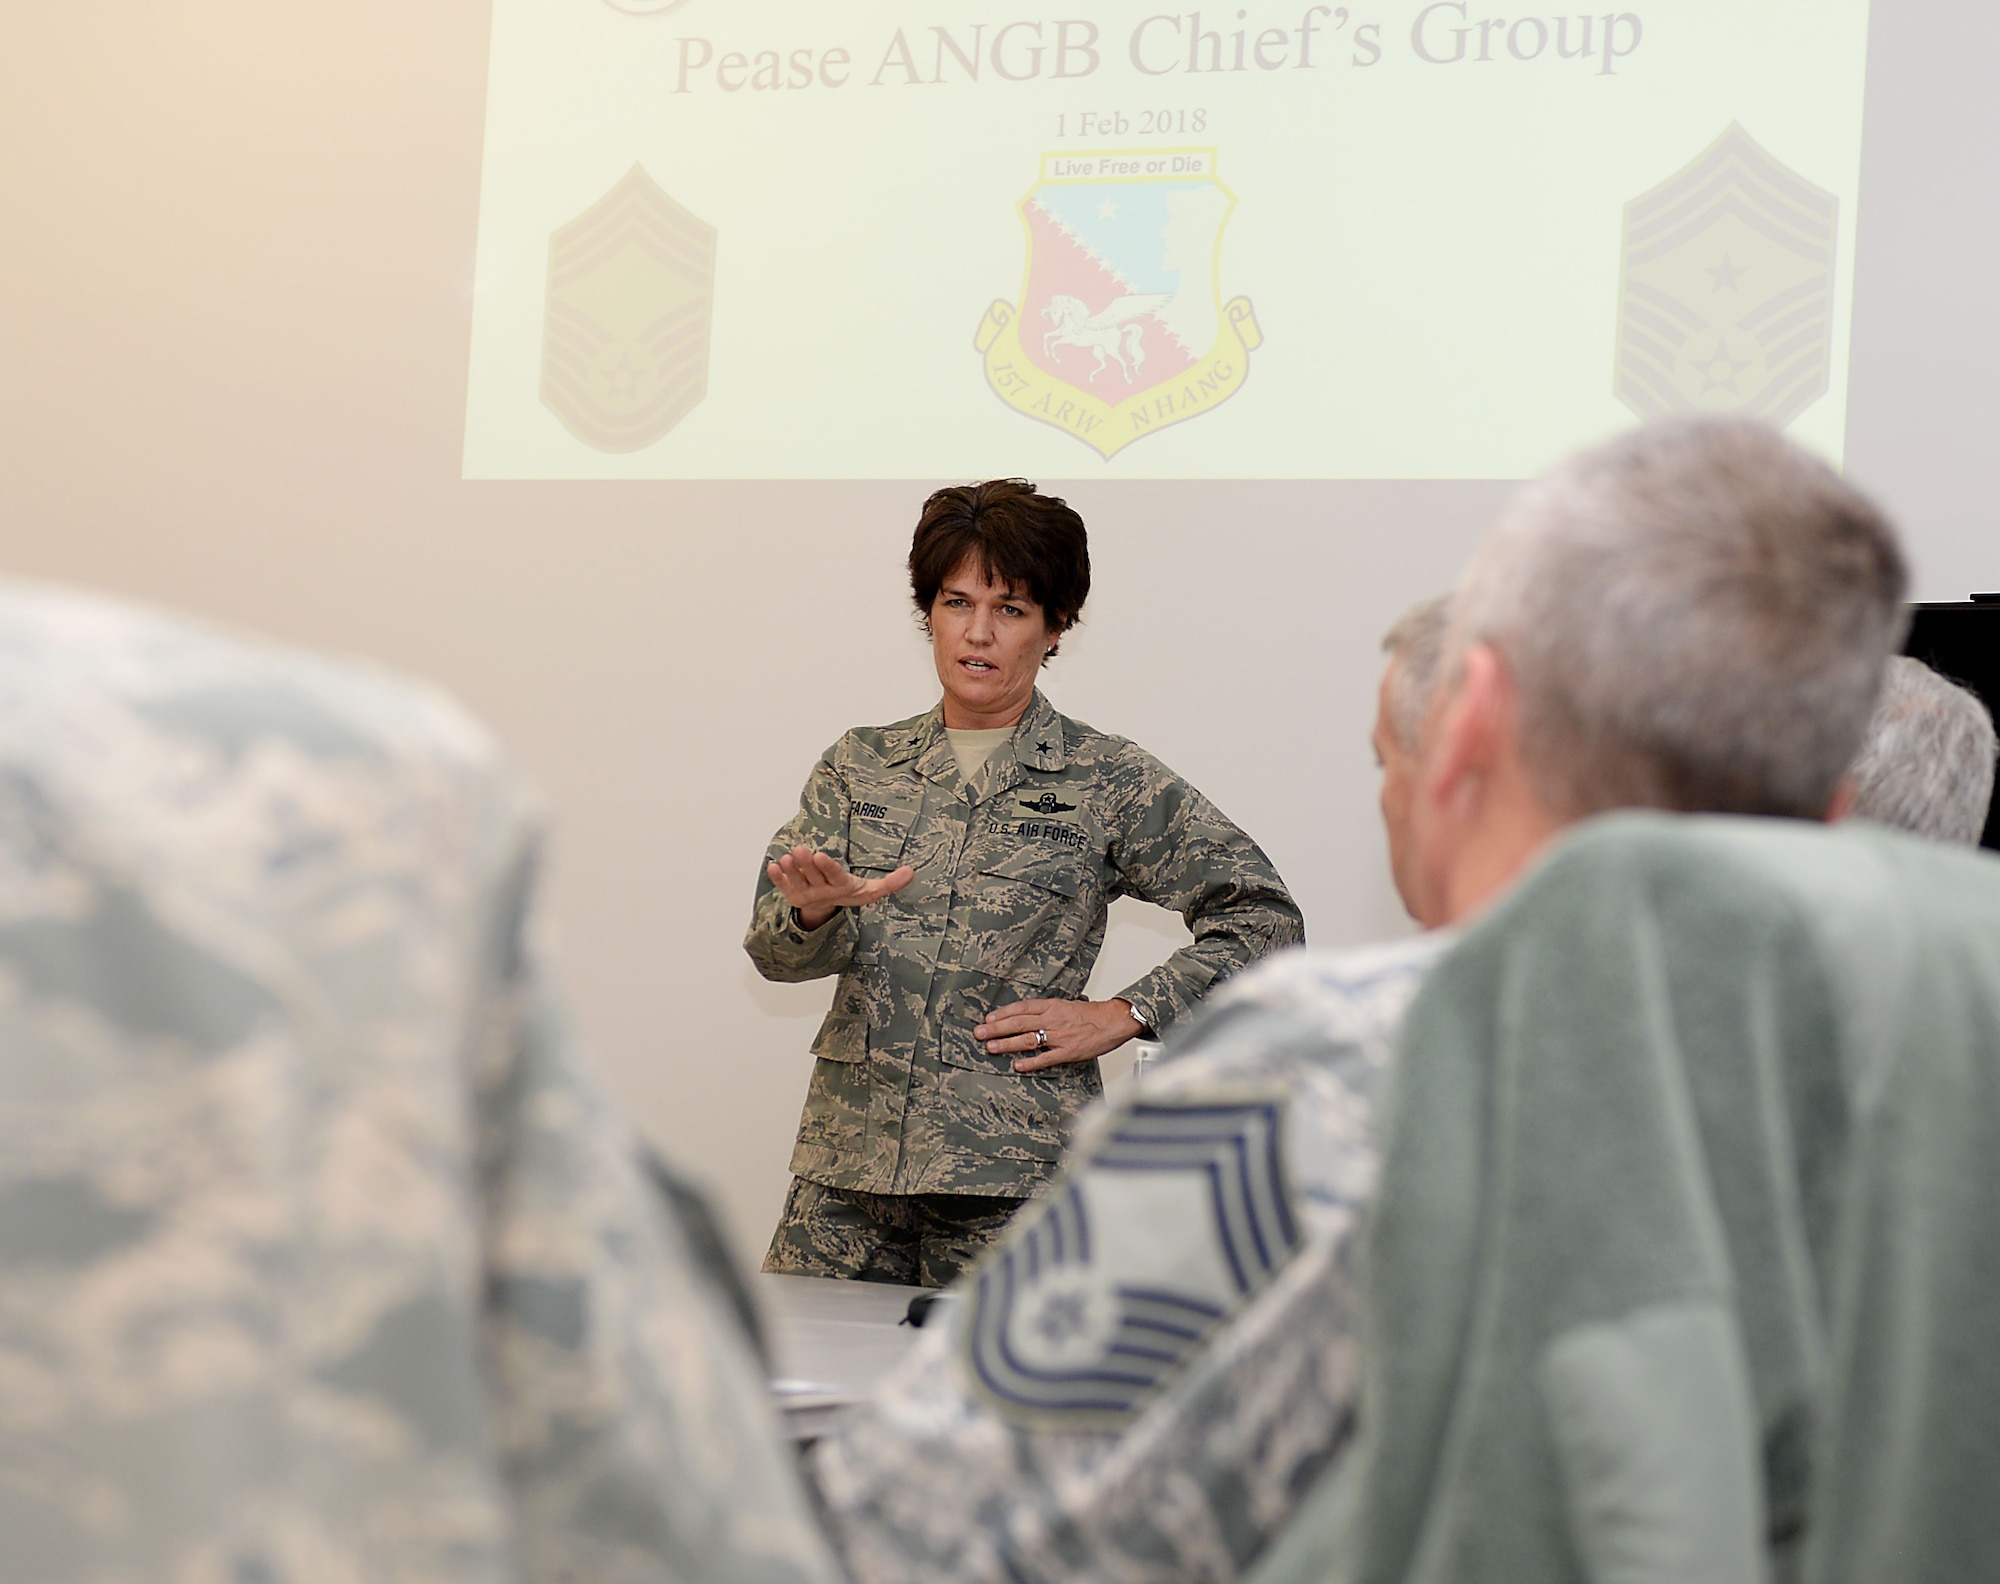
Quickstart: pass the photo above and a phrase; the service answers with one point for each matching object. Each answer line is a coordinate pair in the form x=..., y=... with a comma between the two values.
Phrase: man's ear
x=1474, y=726
x=1841, y=804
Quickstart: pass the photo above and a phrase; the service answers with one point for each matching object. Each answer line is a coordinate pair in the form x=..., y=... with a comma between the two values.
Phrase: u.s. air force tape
x=1164, y=1225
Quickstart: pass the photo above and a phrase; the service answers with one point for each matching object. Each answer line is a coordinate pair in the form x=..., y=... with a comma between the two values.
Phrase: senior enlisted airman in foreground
x=322, y=1259
x=955, y=871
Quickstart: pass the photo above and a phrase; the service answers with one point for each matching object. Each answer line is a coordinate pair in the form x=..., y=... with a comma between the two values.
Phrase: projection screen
x=885, y=240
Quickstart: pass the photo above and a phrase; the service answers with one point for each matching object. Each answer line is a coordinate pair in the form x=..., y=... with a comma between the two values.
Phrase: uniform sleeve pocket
x=843, y=1037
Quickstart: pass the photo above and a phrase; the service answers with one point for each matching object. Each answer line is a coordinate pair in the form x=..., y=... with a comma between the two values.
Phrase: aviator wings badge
x=1085, y=1307
x=1726, y=304
x=1121, y=329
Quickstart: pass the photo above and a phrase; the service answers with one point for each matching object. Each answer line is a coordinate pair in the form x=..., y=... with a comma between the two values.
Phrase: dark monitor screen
x=1963, y=642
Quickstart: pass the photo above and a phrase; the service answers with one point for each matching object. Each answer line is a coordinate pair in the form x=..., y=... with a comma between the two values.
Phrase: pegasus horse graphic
x=1110, y=335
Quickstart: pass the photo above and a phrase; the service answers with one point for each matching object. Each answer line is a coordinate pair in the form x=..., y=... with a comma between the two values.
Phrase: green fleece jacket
x=1686, y=1259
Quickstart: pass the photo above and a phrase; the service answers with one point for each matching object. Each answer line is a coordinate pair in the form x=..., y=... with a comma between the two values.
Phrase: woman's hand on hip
x=1050, y=1033
x=818, y=886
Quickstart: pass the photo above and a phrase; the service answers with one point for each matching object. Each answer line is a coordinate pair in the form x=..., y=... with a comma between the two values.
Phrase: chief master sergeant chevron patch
x=1162, y=1228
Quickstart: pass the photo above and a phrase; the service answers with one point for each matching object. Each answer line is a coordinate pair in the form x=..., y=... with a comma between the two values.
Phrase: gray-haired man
x=1695, y=617
x=1927, y=765
x=1414, y=647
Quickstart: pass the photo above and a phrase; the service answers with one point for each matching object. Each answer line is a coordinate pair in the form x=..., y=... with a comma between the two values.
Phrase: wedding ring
x=1041, y=1039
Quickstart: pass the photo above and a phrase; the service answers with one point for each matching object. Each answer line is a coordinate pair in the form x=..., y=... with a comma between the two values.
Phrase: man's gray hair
x=1695, y=615
x=1414, y=646
x=1927, y=765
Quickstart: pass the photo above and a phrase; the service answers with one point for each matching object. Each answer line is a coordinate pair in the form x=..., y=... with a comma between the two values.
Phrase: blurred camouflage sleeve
x=632, y=1421
x=702, y=1234
x=1179, y=850
x=777, y=944
x=321, y=1255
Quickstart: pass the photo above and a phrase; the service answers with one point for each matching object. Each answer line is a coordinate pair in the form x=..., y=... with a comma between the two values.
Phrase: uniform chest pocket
x=1027, y=916
x=877, y=833
x=1065, y=872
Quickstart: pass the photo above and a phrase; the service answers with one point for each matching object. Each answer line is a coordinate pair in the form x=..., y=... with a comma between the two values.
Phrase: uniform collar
x=1037, y=743
x=1038, y=740
x=914, y=740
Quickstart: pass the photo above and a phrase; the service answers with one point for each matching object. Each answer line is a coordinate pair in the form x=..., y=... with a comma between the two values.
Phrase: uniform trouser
x=919, y=1240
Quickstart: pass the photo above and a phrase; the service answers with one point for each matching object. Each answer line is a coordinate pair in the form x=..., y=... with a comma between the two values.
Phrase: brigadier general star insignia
x=1047, y=804
x=1159, y=1234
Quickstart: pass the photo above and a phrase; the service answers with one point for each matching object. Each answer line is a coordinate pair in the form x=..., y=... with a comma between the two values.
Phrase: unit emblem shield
x=1726, y=303
x=625, y=332
x=1121, y=329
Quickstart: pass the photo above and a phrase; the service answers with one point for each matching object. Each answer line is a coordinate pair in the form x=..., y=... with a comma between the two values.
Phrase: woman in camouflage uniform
x=955, y=870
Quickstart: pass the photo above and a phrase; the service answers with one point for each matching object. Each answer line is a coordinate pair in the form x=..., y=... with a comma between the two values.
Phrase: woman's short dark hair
x=1024, y=540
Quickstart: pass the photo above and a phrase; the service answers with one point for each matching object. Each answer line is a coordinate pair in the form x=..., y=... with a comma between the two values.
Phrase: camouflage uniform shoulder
x=1107, y=753
x=234, y=691
x=869, y=747
x=1333, y=982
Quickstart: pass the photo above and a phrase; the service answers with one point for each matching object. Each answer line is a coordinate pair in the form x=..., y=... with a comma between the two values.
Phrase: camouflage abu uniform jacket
x=322, y=1256
x=1014, y=873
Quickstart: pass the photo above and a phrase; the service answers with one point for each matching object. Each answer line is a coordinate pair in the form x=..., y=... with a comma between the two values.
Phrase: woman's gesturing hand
x=818, y=886
x=1050, y=1033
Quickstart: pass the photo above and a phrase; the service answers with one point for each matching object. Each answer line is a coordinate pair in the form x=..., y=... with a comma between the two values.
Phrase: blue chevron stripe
x=1235, y=1151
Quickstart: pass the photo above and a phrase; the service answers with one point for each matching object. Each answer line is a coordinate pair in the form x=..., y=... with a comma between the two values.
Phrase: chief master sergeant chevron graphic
x=625, y=326
x=1726, y=305
x=1075, y=1319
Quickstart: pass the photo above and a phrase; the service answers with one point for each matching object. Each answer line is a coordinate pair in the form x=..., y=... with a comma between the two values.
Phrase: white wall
x=1925, y=410
x=233, y=321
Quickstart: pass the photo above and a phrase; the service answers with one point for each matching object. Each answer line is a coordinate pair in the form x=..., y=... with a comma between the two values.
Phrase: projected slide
x=744, y=239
